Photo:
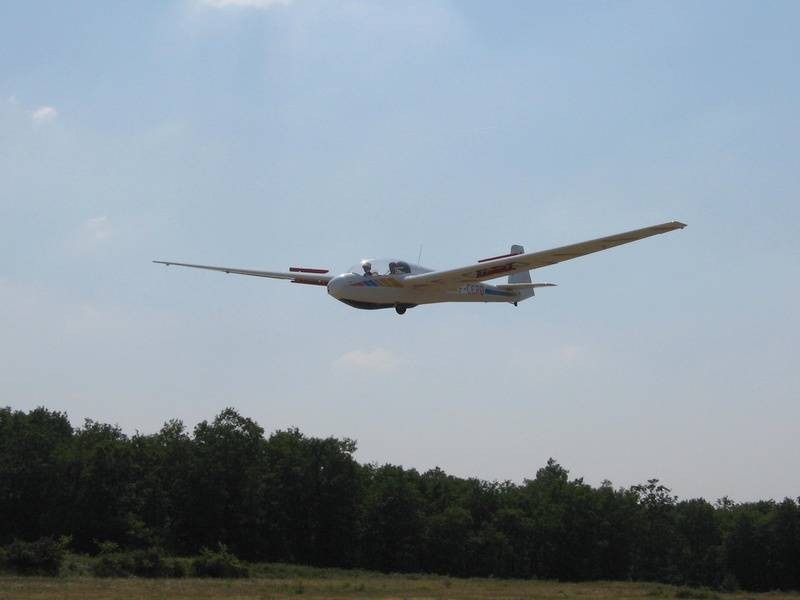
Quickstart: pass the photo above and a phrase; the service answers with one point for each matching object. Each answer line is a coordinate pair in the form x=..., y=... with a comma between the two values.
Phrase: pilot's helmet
x=367, y=266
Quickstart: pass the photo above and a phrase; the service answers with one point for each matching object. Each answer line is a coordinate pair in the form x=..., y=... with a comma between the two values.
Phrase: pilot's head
x=367, y=267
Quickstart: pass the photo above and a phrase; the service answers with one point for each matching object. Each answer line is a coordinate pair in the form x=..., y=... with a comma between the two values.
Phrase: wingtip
x=679, y=225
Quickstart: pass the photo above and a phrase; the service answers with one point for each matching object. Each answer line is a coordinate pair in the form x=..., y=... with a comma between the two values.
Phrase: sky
x=269, y=133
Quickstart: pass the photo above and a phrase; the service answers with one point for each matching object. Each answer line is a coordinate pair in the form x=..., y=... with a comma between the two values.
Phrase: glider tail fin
x=523, y=276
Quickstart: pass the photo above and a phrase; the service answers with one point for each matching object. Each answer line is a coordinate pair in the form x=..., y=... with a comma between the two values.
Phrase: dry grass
x=342, y=587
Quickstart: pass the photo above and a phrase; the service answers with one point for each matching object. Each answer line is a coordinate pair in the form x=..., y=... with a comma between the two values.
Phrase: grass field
x=338, y=586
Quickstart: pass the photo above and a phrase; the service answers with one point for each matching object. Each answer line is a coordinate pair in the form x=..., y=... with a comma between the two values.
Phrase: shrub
x=220, y=563
x=76, y=565
x=139, y=563
x=729, y=583
x=174, y=567
x=147, y=563
x=42, y=557
x=113, y=564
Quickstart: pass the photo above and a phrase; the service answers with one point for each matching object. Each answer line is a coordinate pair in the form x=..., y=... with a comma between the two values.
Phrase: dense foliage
x=292, y=498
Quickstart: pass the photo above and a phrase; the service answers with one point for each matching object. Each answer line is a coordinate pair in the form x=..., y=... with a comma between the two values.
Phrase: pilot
x=392, y=268
x=367, y=269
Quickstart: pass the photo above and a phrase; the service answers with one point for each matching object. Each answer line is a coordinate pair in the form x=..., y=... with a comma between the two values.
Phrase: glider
x=401, y=285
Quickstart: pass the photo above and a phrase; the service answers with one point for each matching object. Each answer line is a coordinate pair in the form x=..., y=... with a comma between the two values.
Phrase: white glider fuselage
x=386, y=291
x=373, y=291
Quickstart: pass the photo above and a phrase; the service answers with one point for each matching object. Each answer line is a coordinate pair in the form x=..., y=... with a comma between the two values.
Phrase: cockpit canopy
x=386, y=266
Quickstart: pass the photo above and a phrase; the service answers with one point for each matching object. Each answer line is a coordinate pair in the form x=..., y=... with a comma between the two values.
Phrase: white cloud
x=44, y=114
x=93, y=233
x=570, y=353
x=261, y=4
x=97, y=228
x=377, y=361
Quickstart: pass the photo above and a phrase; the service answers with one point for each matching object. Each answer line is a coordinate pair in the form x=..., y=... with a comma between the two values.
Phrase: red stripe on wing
x=306, y=270
x=310, y=281
x=494, y=270
x=496, y=257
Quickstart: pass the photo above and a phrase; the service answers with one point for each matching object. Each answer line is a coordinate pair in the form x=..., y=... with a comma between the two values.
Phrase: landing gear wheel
x=401, y=310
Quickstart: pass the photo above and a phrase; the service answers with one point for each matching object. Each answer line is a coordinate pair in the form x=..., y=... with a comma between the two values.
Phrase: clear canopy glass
x=386, y=266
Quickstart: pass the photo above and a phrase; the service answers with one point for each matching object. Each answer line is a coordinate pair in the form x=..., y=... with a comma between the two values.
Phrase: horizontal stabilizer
x=510, y=287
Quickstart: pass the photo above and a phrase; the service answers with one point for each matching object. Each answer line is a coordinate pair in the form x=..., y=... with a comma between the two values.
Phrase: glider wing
x=295, y=274
x=506, y=265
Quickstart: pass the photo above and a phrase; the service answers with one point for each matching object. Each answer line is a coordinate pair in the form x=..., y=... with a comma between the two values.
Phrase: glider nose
x=337, y=285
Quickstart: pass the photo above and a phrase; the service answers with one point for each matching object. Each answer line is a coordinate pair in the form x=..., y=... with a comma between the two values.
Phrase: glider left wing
x=295, y=275
x=494, y=268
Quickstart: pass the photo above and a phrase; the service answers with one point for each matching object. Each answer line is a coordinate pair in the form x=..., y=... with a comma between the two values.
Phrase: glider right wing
x=516, y=263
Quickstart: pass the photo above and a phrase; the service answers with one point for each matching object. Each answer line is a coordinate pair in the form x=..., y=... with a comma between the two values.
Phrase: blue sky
x=264, y=134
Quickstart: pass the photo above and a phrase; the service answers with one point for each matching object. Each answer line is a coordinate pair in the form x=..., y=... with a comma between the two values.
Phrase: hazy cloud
x=377, y=361
x=44, y=114
x=570, y=353
x=97, y=228
x=94, y=232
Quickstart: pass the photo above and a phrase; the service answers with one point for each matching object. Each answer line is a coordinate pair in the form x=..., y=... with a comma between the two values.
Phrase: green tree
x=392, y=526
x=491, y=553
x=701, y=561
x=746, y=549
x=99, y=485
x=163, y=466
x=518, y=530
x=617, y=513
x=657, y=544
x=225, y=484
x=446, y=541
x=31, y=482
x=312, y=499
x=783, y=526
x=335, y=483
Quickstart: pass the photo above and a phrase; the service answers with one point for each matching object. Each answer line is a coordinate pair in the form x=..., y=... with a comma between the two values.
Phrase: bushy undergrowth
x=219, y=563
x=41, y=557
x=136, y=563
x=47, y=556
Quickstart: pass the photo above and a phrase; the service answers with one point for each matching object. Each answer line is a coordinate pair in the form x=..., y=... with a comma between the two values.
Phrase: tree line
x=288, y=497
